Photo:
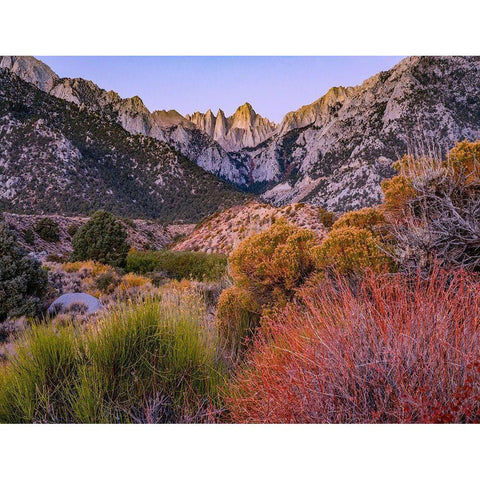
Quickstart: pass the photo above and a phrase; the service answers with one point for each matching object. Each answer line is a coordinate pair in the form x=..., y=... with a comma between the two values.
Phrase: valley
x=209, y=268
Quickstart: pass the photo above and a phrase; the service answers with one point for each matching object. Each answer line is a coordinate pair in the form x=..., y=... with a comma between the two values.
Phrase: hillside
x=59, y=157
x=132, y=115
x=141, y=234
x=335, y=152
x=222, y=232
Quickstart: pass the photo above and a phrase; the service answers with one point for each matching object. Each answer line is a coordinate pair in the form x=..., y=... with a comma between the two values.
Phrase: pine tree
x=23, y=282
x=103, y=238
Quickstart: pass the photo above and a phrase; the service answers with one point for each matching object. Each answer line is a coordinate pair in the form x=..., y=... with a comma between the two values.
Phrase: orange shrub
x=465, y=160
x=132, y=280
x=273, y=263
x=398, y=192
x=88, y=267
x=394, y=349
x=351, y=250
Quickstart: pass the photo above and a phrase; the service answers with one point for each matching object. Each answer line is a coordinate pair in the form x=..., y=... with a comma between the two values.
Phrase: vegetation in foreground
x=390, y=349
x=377, y=322
x=22, y=280
x=155, y=361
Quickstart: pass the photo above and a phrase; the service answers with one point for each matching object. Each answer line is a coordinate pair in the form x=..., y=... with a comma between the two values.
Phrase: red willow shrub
x=392, y=349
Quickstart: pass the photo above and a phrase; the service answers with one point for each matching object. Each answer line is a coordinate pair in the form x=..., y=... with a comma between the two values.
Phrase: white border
x=244, y=27
x=239, y=452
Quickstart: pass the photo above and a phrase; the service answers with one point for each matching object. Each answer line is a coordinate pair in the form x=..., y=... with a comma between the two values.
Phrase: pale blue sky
x=273, y=85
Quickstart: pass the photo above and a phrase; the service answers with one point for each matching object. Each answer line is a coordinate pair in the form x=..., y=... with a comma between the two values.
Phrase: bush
x=369, y=218
x=102, y=238
x=266, y=268
x=29, y=237
x=152, y=362
x=237, y=317
x=465, y=160
x=395, y=349
x=326, y=217
x=398, y=191
x=48, y=230
x=131, y=280
x=23, y=282
x=88, y=268
x=439, y=221
x=107, y=282
x=272, y=264
x=190, y=265
x=72, y=229
x=352, y=250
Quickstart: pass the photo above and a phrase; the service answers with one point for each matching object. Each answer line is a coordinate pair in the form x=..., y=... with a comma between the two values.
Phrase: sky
x=272, y=85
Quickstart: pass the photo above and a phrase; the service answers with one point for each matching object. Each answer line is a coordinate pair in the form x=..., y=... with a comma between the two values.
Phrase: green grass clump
x=178, y=265
x=151, y=362
x=38, y=385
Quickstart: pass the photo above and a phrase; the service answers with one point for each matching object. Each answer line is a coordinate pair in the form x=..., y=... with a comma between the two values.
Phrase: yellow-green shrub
x=370, y=218
x=273, y=263
x=351, y=250
x=266, y=269
x=238, y=315
x=148, y=361
x=191, y=265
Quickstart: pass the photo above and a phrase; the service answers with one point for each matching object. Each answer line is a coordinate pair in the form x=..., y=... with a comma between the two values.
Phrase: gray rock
x=68, y=301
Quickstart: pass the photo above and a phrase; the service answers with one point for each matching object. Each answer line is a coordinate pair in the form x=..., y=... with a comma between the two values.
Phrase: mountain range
x=245, y=128
x=60, y=157
x=332, y=153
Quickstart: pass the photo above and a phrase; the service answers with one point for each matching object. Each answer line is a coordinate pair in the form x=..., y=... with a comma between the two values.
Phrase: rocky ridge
x=245, y=128
x=332, y=153
x=133, y=115
x=335, y=152
x=222, y=232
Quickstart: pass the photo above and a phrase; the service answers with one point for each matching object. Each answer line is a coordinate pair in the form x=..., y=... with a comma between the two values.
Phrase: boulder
x=84, y=302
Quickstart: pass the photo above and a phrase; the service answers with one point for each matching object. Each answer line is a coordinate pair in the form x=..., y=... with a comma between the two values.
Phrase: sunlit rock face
x=245, y=128
x=70, y=158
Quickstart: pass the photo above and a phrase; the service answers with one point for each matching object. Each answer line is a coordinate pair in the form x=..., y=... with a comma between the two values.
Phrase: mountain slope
x=132, y=115
x=335, y=152
x=332, y=153
x=59, y=157
x=222, y=232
